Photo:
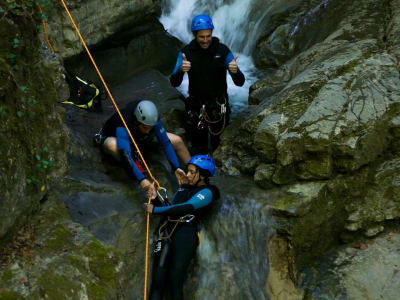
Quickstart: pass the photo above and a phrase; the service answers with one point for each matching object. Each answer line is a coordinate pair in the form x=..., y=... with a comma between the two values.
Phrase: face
x=193, y=174
x=203, y=38
x=145, y=129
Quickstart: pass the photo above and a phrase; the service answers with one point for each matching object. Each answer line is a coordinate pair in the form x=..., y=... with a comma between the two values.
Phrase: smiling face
x=203, y=38
x=193, y=174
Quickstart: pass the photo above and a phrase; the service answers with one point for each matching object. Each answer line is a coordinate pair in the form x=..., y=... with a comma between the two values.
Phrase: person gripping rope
x=178, y=233
x=206, y=60
x=143, y=122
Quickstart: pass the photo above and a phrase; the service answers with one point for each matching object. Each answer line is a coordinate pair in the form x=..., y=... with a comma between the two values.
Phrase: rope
x=147, y=252
x=155, y=182
x=46, y=38
x=208, y=120
x=109, y=93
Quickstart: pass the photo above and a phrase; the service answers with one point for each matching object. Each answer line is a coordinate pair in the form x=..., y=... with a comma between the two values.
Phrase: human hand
x=233, y=67
x=186, y=65
x=149, y=188
x=181, y=176
x=148, y=207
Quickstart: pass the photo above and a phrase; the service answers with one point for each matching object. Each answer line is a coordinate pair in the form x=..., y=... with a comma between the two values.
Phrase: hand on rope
x=149, y=188
x=148, y=207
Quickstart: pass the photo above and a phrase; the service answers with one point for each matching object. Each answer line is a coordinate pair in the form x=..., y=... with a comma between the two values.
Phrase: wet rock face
x=328, y=115
x=96, y=20
x=125, y=38
x=32, y=137
x=57, y=258
x=365, y=269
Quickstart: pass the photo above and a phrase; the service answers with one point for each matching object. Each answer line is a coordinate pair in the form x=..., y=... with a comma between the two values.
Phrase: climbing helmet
x=203, y=162
x=201, y=22
x=146, y=113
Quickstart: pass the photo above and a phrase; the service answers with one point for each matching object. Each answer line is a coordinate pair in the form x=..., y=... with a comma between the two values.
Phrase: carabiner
x=186, y=218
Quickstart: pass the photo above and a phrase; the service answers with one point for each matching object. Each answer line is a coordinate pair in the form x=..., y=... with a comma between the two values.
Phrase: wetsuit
x=172, y=259
x=115, y=128
x=207, y=86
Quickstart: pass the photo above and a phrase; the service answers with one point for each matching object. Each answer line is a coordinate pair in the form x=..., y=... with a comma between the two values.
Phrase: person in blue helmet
x=143, y=122
x=207, y=61
x=178, y=232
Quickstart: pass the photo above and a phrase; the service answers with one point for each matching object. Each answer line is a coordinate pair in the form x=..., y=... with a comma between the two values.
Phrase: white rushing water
x=236, y=24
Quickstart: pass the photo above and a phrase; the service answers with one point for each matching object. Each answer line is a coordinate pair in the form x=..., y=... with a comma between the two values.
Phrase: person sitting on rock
x=178, y=233
x=206, y=61
x=143, y=122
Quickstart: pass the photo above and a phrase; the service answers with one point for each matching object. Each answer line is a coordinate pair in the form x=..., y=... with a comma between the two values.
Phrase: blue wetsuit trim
x=123, y=143
x=228, y=59
x=162, y=137
x=178, y=63
x=197, y=201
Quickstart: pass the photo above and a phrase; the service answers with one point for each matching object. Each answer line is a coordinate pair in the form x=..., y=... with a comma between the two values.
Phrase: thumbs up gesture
x=186, y=65
x=233, y=67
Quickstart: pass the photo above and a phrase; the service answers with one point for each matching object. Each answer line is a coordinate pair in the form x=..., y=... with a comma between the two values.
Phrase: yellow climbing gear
x=90, y=103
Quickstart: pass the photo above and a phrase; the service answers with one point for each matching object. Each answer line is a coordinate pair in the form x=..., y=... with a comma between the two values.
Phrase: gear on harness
x=208, y=116
x=99, y=138
x=163, y=233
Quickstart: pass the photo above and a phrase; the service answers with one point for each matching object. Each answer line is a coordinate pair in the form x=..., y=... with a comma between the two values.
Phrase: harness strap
x=184, y=219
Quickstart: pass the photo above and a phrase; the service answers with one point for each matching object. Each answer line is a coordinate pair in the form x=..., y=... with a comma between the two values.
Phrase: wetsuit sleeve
x=162, y=137
x=238, y=78
x=199, y=200
x=177, y=76
x=124, y=147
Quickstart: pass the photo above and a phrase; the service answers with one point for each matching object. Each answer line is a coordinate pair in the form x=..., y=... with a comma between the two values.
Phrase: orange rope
x=147, y=251
x=155, y=182
x=46, y=38
x=109, y=93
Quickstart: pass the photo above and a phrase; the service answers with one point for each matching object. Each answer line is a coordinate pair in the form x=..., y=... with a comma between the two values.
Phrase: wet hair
x=206, y=174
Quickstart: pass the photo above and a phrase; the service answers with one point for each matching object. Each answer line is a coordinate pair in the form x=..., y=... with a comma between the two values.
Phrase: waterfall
x=236, y=24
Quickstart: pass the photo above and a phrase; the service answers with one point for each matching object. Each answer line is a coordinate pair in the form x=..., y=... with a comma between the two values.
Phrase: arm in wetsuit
x=124, y=148
x=177, y=76
x=162, y=137
x=197, y=201
x=238, y=78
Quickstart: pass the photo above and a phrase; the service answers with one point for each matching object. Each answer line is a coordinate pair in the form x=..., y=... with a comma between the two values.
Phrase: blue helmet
x=203, y=162
x=201, y=22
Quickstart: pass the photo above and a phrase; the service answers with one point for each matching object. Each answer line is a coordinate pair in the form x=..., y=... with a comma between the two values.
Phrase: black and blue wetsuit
x=115, y=128
x=172, y=260
x=207, y=86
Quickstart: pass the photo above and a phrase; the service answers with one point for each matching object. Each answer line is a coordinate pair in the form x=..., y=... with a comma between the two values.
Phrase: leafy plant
x=2, y=112
x=42, y=167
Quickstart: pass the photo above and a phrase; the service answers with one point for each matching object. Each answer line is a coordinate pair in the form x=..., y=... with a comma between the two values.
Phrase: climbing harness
x=184, y=219
x=155, y=182
x=209, y=121
x=204, y=119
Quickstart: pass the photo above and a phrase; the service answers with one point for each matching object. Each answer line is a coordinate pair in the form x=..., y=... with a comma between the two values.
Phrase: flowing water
x=237, y=24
